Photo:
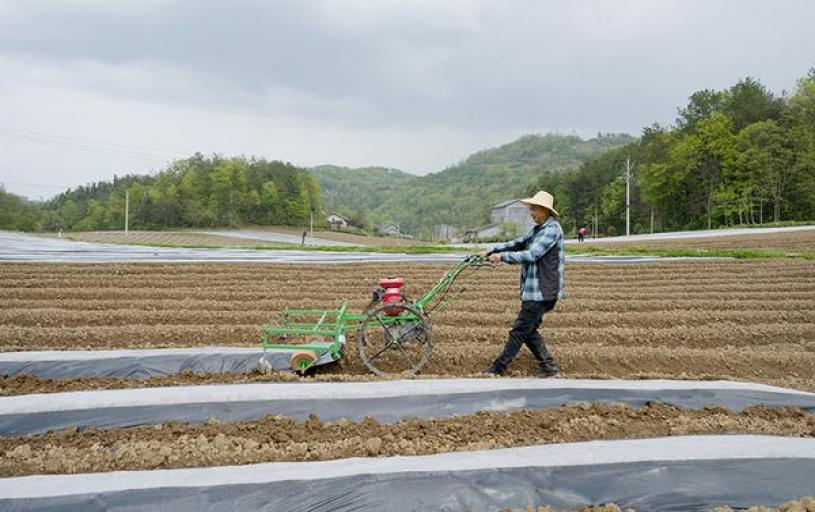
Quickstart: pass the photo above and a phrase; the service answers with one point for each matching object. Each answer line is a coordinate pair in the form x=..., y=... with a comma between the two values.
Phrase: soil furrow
x=276, y=438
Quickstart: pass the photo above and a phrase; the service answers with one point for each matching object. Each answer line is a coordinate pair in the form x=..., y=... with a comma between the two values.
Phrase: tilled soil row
x=11, y=269
x=482, y=280
x=447, y=337
x=277, y=438
x=778, y=302
x=660, y=319
x=311, y=297
x=347, y=275
x=713, y=335
x=789, y=241
x=784, y=368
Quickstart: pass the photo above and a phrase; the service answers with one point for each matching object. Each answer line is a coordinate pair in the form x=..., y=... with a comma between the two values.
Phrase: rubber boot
x=493, y=369
x=548, y=369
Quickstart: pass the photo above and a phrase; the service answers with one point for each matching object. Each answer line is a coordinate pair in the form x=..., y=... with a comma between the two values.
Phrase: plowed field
x=276, y=438
x=750, y=320
x=785, y=241
x=739, y=320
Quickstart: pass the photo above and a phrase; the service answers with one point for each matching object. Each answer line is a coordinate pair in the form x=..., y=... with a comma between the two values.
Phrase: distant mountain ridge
x=461, y=194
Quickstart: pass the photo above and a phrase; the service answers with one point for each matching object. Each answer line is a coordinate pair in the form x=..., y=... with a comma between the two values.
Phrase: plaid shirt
x=533, y=251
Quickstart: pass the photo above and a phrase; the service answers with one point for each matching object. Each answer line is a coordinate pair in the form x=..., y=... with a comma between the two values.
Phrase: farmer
x=541, y=254
x=581, y=234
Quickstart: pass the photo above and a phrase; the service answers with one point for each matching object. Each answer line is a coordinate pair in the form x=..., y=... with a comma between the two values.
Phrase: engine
x=389, y=292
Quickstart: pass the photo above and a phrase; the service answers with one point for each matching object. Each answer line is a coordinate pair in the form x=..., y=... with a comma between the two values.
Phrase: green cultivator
x=392, y=334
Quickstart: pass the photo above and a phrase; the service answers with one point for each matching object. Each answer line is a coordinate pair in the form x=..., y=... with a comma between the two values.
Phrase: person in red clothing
x=581, y=234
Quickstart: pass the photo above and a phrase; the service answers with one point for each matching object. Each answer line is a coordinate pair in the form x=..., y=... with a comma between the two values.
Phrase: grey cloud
x=613, y=65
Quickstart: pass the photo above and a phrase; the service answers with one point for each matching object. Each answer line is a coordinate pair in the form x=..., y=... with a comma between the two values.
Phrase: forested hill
x=356, y=192
x=463, y=193
x=741, y=155
x=195, y=192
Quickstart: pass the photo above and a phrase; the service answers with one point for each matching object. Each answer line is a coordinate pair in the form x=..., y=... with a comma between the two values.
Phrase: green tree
x=70, y=214
x=612, y=200
x=16, y=213
x=749, y=101
x=705, y=154
x=802, y=101
x=700, y=105
x=94, y=219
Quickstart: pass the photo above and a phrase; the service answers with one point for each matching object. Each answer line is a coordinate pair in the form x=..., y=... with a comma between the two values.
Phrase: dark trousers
x=525, y=332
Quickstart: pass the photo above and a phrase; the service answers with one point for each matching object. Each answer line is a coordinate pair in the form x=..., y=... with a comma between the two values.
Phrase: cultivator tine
x=407, y=357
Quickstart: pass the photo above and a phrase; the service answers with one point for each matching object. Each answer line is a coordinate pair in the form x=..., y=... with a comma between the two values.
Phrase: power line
x=85, y=148
x=72, y=143
x=86, y=141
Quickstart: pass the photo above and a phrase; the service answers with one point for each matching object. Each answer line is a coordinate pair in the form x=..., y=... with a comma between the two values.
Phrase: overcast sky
x=93, y=88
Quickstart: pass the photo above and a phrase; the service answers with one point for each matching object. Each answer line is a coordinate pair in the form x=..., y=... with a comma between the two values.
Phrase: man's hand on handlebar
x=493, y=258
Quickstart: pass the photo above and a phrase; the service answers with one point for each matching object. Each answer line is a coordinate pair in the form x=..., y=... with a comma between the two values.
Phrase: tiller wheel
x=394, y=339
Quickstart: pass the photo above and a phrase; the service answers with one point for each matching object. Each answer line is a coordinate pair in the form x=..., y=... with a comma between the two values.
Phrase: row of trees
x=738, y=156
x=196, y=192
x=17, y=213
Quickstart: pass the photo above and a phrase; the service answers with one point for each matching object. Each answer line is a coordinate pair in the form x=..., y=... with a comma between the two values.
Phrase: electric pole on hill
x=127, y=208
x=627, y=176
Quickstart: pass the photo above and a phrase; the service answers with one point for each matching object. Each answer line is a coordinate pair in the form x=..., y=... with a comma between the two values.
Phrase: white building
x=392, y=230
x=512, y=211
x=336, y=221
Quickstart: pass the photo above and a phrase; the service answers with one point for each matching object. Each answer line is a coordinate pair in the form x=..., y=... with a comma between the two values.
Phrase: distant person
x=542, y=256
x=303, y=241
x=581, y=234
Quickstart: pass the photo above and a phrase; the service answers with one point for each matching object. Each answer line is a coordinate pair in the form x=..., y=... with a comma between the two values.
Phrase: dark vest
x=546, y=267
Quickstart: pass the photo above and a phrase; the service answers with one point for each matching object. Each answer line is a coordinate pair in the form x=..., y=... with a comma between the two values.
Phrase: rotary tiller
x=393, y=334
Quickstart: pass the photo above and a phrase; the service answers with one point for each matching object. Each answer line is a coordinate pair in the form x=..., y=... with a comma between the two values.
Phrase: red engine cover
x=391, y=282
x=393, y=293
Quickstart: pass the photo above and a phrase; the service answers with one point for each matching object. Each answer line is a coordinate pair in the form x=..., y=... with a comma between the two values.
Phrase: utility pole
x=311, y=224
x=627, y=176
x=596, y=222
x=127, y=209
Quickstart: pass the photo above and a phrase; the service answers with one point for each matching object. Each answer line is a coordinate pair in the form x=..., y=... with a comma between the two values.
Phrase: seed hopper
x=393, y=335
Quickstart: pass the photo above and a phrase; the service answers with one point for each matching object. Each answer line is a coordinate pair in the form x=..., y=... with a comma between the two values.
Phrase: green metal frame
x=334, y=323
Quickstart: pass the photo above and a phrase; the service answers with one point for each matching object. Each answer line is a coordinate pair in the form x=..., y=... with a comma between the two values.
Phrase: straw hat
x=542, y=198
